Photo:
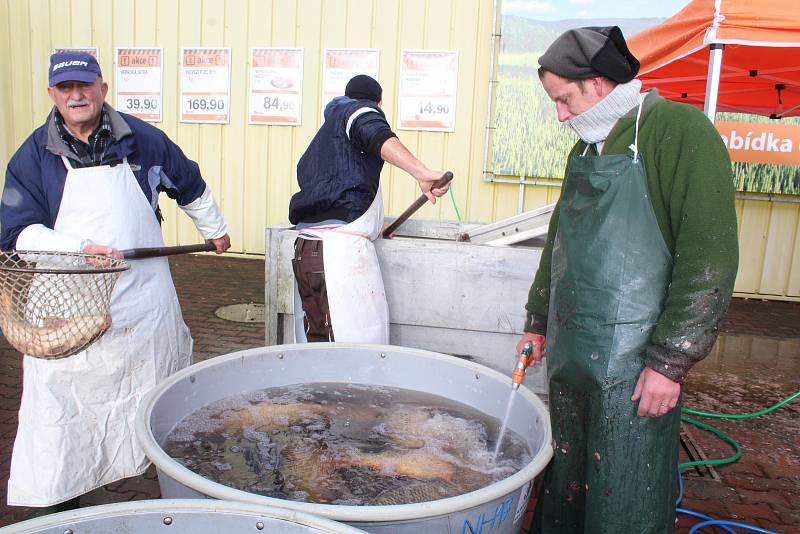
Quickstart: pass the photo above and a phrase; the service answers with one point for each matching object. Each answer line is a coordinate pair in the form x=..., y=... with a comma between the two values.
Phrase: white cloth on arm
x=205, y=214
x=356, y=114
x=40, y=237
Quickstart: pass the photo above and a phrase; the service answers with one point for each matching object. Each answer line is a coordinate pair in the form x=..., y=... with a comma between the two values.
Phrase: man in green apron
x=635, y=277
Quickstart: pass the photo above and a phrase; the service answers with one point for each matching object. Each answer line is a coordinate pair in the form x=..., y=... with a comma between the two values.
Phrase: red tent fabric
x=760, y=69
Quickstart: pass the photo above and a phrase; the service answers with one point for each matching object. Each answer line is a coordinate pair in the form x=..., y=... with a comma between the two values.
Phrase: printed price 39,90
x=141, y=104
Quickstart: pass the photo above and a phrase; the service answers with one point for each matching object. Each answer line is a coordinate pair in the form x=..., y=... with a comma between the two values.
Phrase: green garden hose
x=722, y=435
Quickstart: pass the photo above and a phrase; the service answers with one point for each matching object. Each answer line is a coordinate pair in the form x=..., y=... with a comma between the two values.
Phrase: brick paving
x=756, y=365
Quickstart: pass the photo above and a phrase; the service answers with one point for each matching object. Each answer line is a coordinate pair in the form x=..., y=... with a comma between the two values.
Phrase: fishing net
x=55, y=304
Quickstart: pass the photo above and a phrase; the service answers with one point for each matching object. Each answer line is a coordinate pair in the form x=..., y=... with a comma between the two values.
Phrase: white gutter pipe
x=712, y=84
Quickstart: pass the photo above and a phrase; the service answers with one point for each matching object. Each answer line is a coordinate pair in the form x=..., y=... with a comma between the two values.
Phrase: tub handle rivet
x=260, y=525
x=192, y=379
x=68, y=531
x=280, y=356
x=477, y=376
x=383, y=354
x=167, y=520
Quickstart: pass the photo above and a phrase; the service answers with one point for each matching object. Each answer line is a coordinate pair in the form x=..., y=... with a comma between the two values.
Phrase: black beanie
x=363, y=87
x=587, y=52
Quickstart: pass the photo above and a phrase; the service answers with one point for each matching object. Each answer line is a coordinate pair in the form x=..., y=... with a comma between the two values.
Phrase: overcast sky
x=592, y=9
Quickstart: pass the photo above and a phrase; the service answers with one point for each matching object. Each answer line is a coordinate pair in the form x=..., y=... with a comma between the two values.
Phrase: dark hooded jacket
x=36, y=174
x=340, y=171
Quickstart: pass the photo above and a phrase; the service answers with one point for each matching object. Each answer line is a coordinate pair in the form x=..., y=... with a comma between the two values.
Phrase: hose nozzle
x=523, y=360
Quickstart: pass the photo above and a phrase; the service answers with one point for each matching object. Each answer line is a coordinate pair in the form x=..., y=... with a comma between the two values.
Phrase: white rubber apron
x=76, y=420
x=356, y=296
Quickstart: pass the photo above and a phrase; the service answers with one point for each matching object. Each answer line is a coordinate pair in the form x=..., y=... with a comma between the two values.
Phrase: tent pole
x=712, y=83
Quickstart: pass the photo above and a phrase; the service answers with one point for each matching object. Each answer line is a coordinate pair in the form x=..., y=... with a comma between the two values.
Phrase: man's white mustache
x=73, y=103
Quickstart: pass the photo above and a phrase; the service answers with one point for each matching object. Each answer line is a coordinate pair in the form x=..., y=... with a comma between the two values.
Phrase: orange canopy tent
x=726, y=55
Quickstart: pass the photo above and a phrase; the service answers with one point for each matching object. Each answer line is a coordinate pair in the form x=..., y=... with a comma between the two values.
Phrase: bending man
x=339, y=209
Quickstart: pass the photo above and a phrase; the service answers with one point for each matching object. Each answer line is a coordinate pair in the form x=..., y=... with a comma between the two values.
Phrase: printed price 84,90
x=276, y=104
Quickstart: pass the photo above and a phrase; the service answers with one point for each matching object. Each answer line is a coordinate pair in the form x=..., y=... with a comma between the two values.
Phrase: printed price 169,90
x=205, y=104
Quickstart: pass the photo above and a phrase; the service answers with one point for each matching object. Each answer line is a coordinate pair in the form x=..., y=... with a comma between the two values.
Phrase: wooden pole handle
x=417, y=204
x=140, y=253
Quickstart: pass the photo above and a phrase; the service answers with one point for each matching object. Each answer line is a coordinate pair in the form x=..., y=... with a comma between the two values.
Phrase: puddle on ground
x=746, y=374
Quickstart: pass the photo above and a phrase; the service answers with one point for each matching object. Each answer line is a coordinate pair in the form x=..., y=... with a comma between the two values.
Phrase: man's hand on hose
x=537, y=342
x=222, y=243
x=656, y=394
x=426, y=178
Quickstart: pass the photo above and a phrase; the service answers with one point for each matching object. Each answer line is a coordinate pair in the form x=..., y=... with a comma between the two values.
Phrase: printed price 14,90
x=205, y=104
x=429, y=108
x=141, y=104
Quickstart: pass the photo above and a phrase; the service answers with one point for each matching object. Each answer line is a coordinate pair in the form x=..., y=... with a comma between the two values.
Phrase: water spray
x=524, y=359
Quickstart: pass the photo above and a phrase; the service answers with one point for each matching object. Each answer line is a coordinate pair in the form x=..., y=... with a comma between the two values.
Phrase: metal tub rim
x=178, y=506
x=348, y=513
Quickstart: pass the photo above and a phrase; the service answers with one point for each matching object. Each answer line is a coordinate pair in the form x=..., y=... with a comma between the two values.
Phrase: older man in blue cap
x=88, y=181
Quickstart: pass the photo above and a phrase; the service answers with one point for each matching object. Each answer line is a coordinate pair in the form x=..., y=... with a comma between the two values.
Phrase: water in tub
x=345, y=444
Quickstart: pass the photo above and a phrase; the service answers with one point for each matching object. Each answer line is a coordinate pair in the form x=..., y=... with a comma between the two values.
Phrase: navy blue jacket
x=339, y=176
x=36, y=174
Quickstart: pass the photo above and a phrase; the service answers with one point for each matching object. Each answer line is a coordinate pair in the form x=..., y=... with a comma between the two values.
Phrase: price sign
x=341, y=64
x=428, y=83
x=138, y=86
x=276, y=86
x=205, y=85
x=89, y=50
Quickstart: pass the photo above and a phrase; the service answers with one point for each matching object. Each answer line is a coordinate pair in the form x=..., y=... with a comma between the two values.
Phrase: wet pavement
x=755, y=365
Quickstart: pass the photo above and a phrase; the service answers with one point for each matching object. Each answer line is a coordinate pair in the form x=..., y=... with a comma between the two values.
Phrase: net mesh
x=55, y=304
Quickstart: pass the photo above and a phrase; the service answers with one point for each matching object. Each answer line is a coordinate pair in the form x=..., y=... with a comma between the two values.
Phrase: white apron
x=76, y=419
x=356, y=296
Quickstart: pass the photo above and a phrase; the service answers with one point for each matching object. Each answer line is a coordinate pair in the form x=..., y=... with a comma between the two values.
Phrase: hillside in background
x=528, y=35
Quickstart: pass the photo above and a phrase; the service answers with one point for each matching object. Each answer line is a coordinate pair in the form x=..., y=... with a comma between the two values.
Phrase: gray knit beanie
x=587, y=52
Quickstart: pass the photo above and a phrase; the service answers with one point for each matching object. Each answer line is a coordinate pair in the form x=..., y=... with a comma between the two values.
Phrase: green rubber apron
x=612, y=471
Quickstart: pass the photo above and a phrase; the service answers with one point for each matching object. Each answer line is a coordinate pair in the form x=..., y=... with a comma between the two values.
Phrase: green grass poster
x=528, y=139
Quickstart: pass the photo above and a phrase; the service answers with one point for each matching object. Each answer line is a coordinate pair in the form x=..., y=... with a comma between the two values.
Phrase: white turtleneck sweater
x=594, y=124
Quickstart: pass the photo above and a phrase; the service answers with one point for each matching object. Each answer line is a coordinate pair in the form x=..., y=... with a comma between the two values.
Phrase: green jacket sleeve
x=690, y=181
x=539, y=293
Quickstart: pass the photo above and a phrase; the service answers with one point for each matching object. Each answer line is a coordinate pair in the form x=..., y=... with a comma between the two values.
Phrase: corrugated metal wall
x=251, y=168
x=769, y=243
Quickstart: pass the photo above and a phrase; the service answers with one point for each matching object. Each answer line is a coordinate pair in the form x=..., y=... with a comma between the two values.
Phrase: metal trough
x=498, y=507
x=458, y=289
x=179, y=516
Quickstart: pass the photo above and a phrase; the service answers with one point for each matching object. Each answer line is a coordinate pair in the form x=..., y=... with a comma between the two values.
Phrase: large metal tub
x=179, y=516
x=465, y=298
x=499, y=506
